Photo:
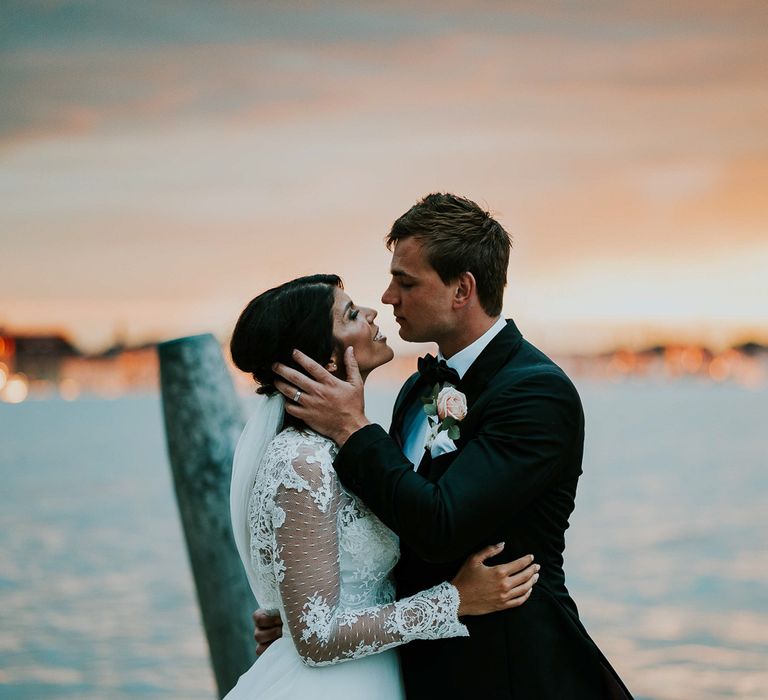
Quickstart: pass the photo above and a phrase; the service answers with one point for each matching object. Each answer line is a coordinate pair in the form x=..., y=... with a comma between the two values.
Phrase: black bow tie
x=437, y=372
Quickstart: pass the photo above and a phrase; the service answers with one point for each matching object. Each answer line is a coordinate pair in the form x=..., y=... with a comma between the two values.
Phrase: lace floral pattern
x=325, y=561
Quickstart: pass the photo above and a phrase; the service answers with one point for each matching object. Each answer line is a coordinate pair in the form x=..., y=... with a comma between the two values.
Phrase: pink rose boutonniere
x=445, y=409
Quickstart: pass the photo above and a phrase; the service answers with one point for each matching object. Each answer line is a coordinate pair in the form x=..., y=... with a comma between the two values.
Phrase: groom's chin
x=408, y=337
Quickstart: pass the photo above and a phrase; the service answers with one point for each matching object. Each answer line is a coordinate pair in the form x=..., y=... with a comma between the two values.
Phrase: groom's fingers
x=302, y=408
x=298, y=379
x=267, y=628
x=263, y=620
x=289, y=390
x=299, y=410
x=353, y=371
x=315, y=369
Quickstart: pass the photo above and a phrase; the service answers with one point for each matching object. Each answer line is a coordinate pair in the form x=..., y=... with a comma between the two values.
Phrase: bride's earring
x=332, y=367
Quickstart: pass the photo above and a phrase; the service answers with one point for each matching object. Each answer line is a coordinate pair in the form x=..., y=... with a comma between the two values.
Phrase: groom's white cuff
x=442, y=444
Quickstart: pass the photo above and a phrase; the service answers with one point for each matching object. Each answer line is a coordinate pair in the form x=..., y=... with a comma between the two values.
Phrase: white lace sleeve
x=307, y=568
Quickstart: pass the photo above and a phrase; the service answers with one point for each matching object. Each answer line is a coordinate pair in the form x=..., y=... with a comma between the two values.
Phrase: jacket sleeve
x=526, y=432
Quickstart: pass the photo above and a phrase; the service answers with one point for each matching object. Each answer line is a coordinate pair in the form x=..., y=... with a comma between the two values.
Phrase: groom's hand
x=268, y=627
x=331, y=406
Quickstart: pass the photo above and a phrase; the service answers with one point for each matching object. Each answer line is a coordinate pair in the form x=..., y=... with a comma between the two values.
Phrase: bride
x=312, y=550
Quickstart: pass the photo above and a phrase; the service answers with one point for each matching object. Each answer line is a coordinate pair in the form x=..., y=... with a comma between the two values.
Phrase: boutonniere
x=445, y=409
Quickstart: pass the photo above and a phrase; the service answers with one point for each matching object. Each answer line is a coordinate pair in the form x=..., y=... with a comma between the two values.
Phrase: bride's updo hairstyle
x=295, y=315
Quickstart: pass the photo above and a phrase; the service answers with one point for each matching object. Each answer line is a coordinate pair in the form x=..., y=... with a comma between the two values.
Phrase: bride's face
x=354, y=325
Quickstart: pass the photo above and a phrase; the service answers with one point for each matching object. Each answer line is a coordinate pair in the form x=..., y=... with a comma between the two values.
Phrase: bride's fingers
x=486, y=553
x=525, y=575
x=516, y=566
x=517, y=602
x=521, y=590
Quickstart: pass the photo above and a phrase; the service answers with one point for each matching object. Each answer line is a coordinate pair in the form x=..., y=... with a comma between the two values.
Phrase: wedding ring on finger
x=297, y=396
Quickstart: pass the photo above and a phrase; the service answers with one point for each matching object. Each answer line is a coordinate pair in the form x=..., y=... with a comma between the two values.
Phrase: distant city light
x=69, y=375
x=69, y=389
x=15, y=389
x=692, y=359
x=719, y=369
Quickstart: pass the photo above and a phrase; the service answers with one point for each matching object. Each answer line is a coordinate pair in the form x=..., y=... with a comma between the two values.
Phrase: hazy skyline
x=161, y=163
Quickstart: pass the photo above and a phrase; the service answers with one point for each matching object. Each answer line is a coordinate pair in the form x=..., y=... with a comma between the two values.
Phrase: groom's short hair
x=459, y=236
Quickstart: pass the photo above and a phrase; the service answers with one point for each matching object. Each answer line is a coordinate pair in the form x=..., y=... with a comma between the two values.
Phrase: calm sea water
x=666, y=556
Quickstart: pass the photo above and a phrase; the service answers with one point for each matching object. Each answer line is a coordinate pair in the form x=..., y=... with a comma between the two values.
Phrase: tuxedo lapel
x=480, y=372
x=405, y=399
x=425, y=464
x=490, y=361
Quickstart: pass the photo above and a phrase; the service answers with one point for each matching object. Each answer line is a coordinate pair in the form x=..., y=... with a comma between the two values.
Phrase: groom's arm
x=528, y=429
x=526, y=433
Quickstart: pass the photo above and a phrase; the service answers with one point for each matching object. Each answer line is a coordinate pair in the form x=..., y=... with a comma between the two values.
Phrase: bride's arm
x=482, y=589
x=324, y=627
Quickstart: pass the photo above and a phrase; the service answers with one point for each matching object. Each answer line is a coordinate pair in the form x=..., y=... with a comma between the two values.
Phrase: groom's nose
x=388, y=297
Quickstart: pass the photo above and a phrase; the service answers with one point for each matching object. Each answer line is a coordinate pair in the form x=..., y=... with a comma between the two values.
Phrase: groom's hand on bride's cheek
x=333, y=407
x=267, y=628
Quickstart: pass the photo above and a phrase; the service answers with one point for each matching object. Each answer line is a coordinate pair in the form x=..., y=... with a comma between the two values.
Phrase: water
x=666, y=555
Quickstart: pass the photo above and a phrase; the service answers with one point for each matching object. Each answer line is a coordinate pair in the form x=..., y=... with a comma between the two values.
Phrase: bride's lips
x=379, y=337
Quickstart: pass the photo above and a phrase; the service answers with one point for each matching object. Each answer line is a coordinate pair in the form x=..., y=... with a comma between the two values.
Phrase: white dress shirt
x=416, y=424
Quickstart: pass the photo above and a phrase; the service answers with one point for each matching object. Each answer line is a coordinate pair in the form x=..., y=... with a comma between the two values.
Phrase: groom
x=505, y=472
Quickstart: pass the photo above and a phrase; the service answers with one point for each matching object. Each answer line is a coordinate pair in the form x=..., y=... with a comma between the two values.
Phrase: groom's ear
x=465, y=289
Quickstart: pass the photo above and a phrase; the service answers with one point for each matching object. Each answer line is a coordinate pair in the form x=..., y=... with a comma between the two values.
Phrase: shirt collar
x=463, y=359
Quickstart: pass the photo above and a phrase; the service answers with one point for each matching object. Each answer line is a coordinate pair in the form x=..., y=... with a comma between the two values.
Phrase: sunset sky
x=163, y=162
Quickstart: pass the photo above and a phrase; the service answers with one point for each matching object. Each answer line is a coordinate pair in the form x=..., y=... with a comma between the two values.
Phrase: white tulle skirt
x=280, y=675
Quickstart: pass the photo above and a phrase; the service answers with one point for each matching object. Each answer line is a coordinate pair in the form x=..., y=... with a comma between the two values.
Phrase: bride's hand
x=485, y=589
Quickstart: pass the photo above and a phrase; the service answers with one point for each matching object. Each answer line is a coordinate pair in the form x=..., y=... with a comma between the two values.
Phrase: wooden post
x=203, y=420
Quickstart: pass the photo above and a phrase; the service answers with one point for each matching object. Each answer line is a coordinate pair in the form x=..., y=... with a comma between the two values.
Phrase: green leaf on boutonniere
x=430, y=409
x=449, y=422
x=454, y=433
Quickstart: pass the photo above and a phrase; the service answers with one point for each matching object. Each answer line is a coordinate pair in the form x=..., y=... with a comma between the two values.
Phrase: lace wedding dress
x=324, y=561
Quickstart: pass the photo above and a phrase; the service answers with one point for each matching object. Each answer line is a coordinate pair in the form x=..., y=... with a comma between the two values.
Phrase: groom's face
x=421, y=302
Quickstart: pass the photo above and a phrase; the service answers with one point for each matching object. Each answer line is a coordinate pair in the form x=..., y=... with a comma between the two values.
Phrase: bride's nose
x=371, y=314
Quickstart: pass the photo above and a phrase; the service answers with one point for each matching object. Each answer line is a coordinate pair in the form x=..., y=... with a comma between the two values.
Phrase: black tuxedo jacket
x=511, y=479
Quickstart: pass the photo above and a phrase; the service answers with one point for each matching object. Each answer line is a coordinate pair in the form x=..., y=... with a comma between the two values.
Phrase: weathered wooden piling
x=203, y=420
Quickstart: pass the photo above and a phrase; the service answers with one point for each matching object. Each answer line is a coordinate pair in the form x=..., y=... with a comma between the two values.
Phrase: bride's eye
x=353, y=314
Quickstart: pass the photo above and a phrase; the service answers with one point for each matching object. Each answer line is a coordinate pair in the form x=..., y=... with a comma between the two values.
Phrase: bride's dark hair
x=297, y=314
